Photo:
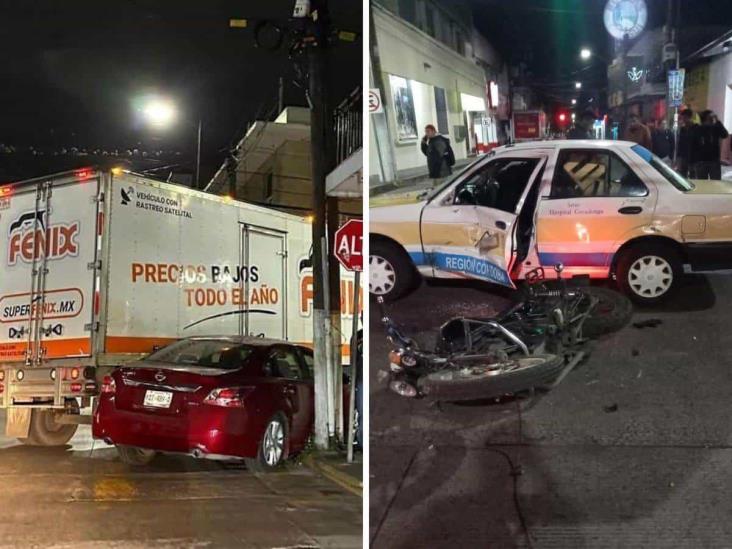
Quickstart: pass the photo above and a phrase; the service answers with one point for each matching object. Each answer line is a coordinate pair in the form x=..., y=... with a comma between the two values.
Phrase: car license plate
x=158, y=399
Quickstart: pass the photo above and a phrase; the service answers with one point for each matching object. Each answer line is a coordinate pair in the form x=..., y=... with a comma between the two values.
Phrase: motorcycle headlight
x=403, y=388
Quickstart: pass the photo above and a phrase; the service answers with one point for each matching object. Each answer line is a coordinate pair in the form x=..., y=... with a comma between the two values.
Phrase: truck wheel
x=391, y=272
x=46, y=431
x=272, y=451
x=649, y=273
x=132, y=455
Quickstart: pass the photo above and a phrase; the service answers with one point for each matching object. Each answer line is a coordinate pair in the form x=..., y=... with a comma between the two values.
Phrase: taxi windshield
x=668, y=173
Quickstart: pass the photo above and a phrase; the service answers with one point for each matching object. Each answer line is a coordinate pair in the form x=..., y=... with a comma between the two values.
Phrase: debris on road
x=648, y=323
x=610, y=409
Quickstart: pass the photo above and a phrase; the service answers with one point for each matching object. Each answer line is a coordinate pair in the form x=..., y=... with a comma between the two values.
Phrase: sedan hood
x=708, y=186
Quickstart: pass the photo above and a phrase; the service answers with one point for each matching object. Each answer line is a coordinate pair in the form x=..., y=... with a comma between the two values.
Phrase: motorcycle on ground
x=532, y=345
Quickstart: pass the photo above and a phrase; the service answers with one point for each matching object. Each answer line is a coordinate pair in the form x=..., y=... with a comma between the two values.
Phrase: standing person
x=683, y=154
x=705, y=147
x=437, y=149
x=638, y=132
x=662, y=140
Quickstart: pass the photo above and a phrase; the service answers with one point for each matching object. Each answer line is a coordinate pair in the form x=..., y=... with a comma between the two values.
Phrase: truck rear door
x=263, y=311
x=48, y=249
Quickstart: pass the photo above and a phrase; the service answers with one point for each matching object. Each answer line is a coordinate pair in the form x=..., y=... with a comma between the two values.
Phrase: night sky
x=549, y=33
x=71, y=70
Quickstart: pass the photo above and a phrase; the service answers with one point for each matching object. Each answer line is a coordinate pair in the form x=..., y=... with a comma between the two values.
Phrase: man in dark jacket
x=705, y=147
x=683, y=153
x=437, y=149
x=662, y=140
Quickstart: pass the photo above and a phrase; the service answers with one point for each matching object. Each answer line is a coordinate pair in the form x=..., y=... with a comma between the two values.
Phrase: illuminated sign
x=635, y=74
x=625, y=18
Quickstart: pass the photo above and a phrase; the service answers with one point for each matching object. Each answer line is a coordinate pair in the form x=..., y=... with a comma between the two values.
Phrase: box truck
x=103, y=267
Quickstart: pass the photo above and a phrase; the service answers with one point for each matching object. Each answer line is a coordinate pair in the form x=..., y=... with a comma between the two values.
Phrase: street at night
x=80, y=495
x=180, y=349
x=550, y=195
x=632, y=449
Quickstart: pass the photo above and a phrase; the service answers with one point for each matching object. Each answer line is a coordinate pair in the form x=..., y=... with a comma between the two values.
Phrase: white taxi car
x=601, y=208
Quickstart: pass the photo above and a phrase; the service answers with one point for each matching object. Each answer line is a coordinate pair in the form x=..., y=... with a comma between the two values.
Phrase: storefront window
x=406, y=120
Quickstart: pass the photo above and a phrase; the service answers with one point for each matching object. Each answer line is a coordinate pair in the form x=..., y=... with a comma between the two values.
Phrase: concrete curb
x=347, y=482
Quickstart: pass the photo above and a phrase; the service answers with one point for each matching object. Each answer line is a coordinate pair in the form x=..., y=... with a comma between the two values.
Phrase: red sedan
x=212, y=397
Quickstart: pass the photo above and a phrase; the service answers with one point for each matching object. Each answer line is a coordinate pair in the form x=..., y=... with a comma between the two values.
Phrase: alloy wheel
x=274, y=443
x=650, y=276
x=382, y=276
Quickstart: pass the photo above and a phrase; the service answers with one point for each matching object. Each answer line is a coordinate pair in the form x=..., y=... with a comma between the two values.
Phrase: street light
x=585, y=53
x=577, y=85
x=161, y=113
x=574, y=101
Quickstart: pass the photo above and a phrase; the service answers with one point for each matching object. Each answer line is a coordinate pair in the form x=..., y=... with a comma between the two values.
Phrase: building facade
x=428, y=70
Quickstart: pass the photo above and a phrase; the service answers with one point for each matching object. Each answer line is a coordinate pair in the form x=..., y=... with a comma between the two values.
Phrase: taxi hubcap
x=274, y=443
x=650, y=276
x=381, y=275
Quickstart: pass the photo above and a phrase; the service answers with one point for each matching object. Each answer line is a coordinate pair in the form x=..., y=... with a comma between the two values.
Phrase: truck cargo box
x=100, y=268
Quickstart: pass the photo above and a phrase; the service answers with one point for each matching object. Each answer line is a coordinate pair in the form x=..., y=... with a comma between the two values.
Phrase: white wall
x=719, y=98
x=407, y=52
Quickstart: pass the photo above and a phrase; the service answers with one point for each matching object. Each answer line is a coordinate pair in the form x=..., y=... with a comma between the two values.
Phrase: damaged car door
x=468, y=230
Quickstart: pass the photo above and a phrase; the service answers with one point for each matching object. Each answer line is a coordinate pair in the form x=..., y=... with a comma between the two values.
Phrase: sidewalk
x=418, y=181
x=333, y=466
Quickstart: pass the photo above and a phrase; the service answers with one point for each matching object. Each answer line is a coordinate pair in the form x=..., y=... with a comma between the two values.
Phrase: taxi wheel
x=649, y=273
x=391, y=273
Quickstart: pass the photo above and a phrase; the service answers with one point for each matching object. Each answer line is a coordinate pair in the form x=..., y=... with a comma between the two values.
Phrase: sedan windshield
x=206, y=353
x=668, y=173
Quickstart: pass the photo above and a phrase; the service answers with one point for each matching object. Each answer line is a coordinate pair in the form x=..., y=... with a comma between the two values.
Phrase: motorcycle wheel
x=489, y=381
x=611, y=313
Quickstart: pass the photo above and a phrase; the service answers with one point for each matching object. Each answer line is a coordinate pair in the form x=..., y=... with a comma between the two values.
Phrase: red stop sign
x=348, y=247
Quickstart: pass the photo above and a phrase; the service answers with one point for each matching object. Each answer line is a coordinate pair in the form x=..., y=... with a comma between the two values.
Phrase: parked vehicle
x=101, y=268
x=531, y=345
x=607, y=209
x=211, y=397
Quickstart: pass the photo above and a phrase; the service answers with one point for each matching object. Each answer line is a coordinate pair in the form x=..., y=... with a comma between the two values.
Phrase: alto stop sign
x=349, y=245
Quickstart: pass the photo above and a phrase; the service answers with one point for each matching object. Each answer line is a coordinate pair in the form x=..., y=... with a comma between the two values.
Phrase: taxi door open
x=470, y=230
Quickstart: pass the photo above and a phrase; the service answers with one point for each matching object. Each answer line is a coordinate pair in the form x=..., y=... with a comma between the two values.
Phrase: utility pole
x=281, y=96
x=197, y=182
x=334, y=303
x=318, y=143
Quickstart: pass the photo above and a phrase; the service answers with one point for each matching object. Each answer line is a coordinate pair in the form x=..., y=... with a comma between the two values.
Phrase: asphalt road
x=82, y=496
x=633, y=449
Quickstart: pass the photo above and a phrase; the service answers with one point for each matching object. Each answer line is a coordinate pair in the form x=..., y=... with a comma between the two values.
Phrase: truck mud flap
x=17, y=424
